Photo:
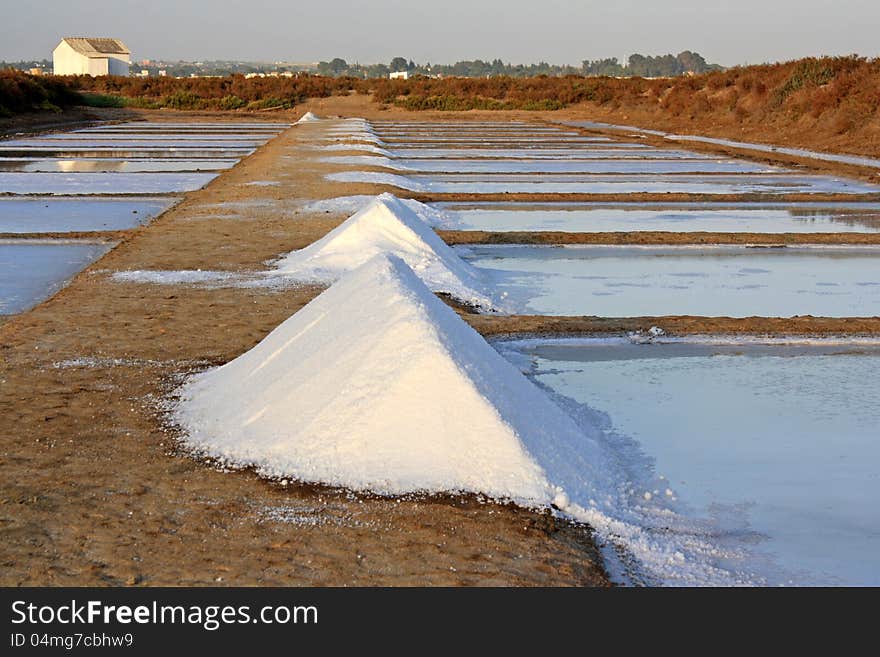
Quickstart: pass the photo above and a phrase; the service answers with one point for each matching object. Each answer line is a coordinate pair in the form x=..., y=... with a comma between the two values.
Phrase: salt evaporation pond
x=123, y=153
x=102, y=183
x=146, y=136
x=595, y=218
x=167, y=143
x=722, y=281
x=115, y=165
x=778, y=443
x=611, y=184
x=859, y=160
x=32, y=271
x=617, y=151
x=547, y=166
x=65, y=215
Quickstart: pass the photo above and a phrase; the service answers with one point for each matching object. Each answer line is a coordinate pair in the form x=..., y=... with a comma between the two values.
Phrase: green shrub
x=182, y=100
x=102, y=100
x=231, y=102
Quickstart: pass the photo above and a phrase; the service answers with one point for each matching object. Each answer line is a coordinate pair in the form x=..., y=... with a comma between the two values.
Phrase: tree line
x=637, y=66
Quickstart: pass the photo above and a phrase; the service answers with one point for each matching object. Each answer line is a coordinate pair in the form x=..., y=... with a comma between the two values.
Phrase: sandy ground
x=94, y=489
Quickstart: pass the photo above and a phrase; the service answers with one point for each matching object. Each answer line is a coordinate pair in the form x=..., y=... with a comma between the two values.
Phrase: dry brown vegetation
x=232, y=92
x=828, y=103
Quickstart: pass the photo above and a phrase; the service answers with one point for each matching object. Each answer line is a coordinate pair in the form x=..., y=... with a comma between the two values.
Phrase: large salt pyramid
x=388, y=225
x=377, y=384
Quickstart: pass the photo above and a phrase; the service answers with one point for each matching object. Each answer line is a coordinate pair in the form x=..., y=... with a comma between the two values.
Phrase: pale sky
x=519, y=31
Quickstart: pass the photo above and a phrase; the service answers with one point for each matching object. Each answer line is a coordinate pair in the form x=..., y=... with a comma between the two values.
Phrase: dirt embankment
x=94, y=490
x=829, y=104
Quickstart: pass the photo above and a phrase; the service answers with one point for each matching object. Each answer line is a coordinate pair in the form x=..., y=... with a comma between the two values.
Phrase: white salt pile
x=350, y=204
x=366, y=161
x=378, y=385
x=354, y=146
x=389, y=225
x=308, y=117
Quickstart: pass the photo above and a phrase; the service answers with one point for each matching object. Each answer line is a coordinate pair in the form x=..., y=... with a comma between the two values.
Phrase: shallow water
x=779, y=444
x=96, y=165
x=606, y=152
x=605, y=165
x=611, y=184
x=204, y=125
x=102, y=183
x=127, y=144
x=32, y=271
x=124, y=153
x=148, y=136
x=816, y=218
x=859, y=160
x=61, y=215
x=616, y=281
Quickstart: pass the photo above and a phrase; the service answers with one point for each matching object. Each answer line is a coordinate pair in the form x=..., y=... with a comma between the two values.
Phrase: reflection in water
x=98, y=165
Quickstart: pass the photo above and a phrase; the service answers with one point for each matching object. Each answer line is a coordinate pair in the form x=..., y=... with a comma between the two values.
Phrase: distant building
x=91, y=56
x=399, y=75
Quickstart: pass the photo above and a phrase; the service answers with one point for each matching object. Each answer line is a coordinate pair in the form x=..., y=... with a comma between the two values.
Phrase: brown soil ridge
x=801, y=326
x=557, y=238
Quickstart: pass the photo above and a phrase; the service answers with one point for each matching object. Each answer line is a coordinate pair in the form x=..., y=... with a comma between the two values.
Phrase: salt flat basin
x=585, y=154
x=102, y=183
x=611, y=184
x=30, y=165
x=607, y=152
x=165, y=136
x=722, y=281
x=124, y=153
x=64, y=215
x=778, y=444
x=859, y=160
x=500, y=137
x=606, y=165
x=32, y=271
x=201, y=125
x=127, y=144
x=455, y=135
x=621, y=217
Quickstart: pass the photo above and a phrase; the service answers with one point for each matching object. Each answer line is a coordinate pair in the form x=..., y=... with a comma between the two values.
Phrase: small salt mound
x=378, y=385
x=308, y=117
x=389, y=225
x=377, y=178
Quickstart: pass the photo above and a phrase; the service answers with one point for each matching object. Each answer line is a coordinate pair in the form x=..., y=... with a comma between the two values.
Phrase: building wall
x=118, y=65
x=67, y=61
x=98, y=66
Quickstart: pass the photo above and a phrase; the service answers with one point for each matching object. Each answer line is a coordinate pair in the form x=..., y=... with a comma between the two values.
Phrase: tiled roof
x=96, y=47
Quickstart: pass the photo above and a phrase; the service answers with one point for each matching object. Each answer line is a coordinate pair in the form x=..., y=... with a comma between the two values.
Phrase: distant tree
x=398, y=64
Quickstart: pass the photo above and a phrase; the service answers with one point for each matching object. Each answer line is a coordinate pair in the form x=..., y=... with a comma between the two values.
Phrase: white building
x=90, y=56
x=399, y=75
